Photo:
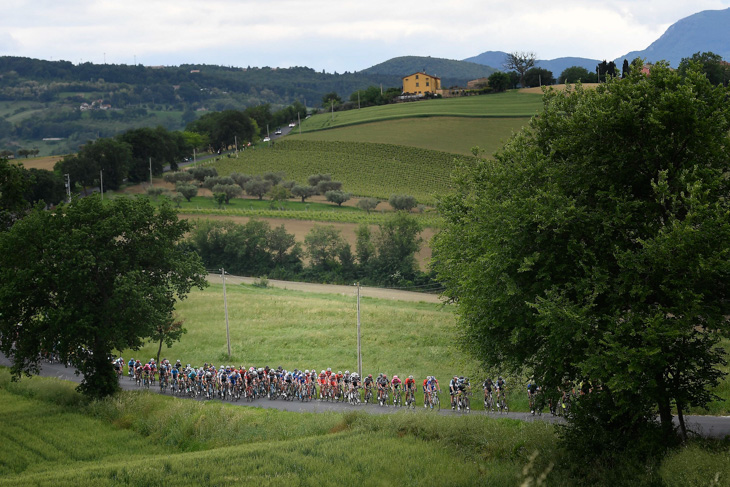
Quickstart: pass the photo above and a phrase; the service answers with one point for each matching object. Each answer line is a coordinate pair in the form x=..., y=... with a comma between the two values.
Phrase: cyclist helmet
x=370, y=376
x=347, y=372
x=500, y=378
x=306, y=371
x=395, y=376
x=188, y=366
x=380, y=375
x=322, y=371
x=329, y=369
x=410, y=377
x=339, y=372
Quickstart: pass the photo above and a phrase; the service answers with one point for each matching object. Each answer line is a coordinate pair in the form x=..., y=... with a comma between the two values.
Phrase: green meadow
x=457, y=135
x=295, y=329
x=510, y=104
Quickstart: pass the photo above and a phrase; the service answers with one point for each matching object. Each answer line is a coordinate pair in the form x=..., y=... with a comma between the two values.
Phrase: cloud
x=343, y=35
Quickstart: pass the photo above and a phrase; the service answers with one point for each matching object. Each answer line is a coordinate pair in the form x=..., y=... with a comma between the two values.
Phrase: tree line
x=381, y=257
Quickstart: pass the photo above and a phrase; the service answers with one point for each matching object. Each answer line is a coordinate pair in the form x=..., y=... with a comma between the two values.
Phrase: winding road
x=707, y=426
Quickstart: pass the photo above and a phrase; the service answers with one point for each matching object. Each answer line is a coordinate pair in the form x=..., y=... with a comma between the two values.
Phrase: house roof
x=423, y=73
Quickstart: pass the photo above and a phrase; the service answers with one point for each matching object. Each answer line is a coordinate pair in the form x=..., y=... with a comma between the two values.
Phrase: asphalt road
x=707, y=426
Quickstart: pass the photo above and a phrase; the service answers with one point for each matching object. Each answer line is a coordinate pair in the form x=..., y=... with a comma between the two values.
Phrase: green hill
x=365, y=169
x=451, y=72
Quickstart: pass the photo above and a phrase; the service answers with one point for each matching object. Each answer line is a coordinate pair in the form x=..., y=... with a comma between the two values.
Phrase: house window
x=416, y=85
x=416, y=76
x=427, y=83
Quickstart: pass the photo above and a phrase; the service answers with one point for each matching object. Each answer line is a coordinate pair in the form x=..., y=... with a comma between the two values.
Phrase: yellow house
x=419, y=83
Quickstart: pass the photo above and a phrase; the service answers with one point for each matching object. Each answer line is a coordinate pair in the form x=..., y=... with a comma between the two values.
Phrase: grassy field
x=146, y=439
x=510, y=104
x=54, y=437
x=448, y=134
x=307, y=330
x=365, y=169
x=46, y=162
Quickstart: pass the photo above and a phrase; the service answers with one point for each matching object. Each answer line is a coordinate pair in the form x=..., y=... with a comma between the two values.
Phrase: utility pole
x=358, y=99
x=235, y=139
x=359, y=348
x=101, y=183
x=193, y=156
x=333, y=110
x=299, y=122
x=225, y=305
x=150, y=171
x=67, y=183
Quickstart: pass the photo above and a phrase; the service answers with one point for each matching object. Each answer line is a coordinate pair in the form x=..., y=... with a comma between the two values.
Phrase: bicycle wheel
x=437, y=401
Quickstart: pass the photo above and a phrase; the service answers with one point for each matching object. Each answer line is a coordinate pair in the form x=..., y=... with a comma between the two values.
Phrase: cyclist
x=453, y=390
x=531, y=394
x=130, y=368
x=395, y=386
x=488, y=386
x=346, y=383
x=322, y=384
x=355, y=382
x=153, y=369
x=410, y=386
x=175, y=373
x=464, y=389
x=368, y=384
x=381, y=383
x=332, y=385
x=501, y=388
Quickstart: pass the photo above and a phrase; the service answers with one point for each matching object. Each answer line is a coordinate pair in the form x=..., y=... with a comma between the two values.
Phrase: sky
x=329, y=36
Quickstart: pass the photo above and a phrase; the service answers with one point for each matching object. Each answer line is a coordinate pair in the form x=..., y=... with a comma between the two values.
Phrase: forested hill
x=451, y=72
x=33, y=79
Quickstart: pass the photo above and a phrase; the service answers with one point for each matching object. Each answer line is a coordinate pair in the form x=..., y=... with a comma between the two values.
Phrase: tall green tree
x=396, y=242
x=13, y=185
x=574, y=74
x=716, y=70
x=90, y=278
x=499, y=81
x=538, y=77
x=594, y=248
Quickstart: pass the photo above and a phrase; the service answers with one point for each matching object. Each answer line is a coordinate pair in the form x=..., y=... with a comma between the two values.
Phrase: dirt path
x=371, y=292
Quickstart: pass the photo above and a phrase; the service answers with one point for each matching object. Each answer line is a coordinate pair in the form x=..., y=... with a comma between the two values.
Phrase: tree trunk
x=159, y=350
x=665, y=409
x=682, y=426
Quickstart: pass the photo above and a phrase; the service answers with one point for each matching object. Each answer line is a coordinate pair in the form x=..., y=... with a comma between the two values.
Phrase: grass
x=510, y=104
x=309, y=330
x=138, y=438
x=147, y=439
x=448, y=134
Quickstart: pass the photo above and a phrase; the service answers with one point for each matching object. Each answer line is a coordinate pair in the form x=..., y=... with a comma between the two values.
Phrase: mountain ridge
x=701, y=32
